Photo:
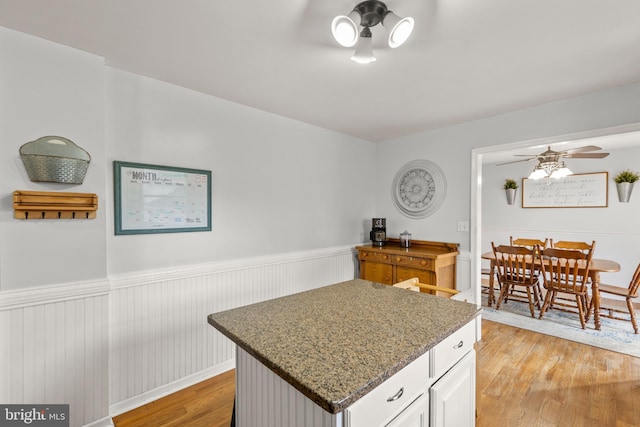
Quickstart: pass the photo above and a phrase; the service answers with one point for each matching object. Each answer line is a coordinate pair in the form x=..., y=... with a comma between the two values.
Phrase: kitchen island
x=326, y=357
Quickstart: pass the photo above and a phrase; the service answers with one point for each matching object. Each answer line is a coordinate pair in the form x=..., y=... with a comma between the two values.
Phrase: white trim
x=102, y=422
x=19, y=298
x=167, y=389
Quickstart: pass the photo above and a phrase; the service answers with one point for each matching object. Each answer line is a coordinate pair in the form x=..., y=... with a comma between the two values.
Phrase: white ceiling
x=467, y=59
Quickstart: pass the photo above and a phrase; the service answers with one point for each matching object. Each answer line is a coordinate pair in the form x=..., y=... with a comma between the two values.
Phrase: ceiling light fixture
x=551, y=169
x=369, y=14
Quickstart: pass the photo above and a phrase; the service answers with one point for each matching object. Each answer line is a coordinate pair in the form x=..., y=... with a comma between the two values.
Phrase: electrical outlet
x=463, y=226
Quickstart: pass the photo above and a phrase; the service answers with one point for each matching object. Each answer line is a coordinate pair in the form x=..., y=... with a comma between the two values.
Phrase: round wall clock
x=419, y=188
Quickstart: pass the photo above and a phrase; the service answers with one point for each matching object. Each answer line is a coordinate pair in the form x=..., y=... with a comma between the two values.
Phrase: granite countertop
x=337, y=343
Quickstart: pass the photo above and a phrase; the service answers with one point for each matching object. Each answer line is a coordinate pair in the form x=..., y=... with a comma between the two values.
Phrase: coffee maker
x=378, y=233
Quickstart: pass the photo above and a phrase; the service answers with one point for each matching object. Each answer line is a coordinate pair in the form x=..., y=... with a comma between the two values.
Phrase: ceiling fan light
x=537, y=174
x=399, y=28
x=345, y=29
x=561, y=172
x=364, y=51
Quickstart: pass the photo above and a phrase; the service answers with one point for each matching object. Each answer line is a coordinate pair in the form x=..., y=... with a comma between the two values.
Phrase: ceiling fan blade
x=515, y=161
x=586, y=155
x=582, y=149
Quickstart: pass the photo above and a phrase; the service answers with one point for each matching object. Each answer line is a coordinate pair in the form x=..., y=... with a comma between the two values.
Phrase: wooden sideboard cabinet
x=433, y=263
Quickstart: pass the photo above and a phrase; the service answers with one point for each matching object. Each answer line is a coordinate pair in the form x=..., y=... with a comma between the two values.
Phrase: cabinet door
x=376, y=272
x=416, y=415
x=453, y=397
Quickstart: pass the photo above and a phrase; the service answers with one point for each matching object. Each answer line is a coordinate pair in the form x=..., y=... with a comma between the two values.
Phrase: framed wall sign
x=161, y=199
x=587, y=190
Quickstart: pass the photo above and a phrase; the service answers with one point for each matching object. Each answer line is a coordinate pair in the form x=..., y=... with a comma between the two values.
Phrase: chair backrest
x=528, y=243
x=414, y=284
x=409, y=284
x=565, y=270
x=513, y=263
x=635, y=283
x=583, y=247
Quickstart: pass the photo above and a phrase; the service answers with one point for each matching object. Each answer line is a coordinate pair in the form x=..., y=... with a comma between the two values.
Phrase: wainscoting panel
x=159, y=330
x=463, y=271
x=106, y=347
x=269, y=401
x=55, y=350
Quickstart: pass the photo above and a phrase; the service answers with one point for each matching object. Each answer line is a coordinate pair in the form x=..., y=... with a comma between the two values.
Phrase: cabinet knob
x=398, y=259
x=423, y=262
x=385, y=257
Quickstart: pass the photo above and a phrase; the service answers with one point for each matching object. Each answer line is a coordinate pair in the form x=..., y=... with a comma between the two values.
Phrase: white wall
x=48, y=89
x=278, y=185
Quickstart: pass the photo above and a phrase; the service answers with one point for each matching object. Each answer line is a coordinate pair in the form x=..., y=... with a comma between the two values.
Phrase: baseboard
x=102, y=422
x=167, y=389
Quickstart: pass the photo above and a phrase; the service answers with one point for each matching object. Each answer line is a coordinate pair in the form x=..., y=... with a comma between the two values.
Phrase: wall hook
x=54, y=205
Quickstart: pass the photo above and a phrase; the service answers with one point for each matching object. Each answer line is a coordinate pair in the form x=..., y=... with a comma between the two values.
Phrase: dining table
x=596, y=267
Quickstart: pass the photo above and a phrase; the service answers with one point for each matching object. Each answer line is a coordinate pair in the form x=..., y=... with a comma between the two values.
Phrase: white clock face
x=416, y=188
x=419, y=188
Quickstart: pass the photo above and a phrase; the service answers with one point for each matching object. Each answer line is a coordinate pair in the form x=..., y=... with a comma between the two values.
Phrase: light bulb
x=399, y=28
x=537, y=174
x=345, y=29
x=561, y=173
x=364, y=51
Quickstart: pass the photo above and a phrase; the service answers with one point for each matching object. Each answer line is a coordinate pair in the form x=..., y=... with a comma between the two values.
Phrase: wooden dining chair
x=513, y=265
x=534, y=270
x=528, y=243
x=565, y=272
x=414, y=284
x=485, y=283
x=583, y=247
x=610, y=307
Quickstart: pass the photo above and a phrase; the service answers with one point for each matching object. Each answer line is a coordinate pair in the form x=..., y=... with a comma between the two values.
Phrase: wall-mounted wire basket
x=55, y=159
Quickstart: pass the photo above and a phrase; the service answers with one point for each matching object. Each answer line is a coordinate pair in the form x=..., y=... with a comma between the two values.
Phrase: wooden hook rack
x=54, y=205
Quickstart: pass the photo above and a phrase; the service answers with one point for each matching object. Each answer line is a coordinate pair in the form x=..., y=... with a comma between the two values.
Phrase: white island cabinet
x=306, y=361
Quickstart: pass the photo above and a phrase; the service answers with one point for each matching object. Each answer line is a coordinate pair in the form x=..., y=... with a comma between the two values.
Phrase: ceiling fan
x=550, y=165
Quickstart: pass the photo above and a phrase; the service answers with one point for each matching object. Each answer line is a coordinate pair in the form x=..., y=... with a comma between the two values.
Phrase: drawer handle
x=460, y=344
x=396, y=396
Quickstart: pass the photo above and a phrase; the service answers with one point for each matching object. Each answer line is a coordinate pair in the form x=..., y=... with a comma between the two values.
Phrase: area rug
x=614, y=335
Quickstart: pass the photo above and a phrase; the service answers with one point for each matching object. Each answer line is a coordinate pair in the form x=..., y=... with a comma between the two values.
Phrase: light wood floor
x=523, y=379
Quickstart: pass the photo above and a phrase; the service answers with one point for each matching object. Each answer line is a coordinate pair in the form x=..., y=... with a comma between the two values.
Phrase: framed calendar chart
x=160, y=199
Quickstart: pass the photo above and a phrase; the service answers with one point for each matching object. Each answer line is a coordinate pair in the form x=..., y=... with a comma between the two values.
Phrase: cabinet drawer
x=391, y=397
x=411, y=261
x=452, y=349
x=375, y=257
